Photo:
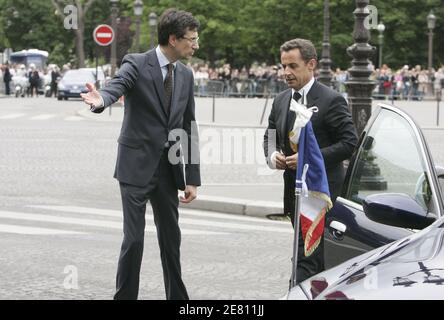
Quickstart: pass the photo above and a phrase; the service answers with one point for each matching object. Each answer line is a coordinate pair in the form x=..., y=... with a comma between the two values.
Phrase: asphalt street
x=60, y=210
x=61, y=225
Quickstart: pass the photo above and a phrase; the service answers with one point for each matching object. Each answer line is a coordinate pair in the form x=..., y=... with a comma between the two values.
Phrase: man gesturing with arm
x=159, y=100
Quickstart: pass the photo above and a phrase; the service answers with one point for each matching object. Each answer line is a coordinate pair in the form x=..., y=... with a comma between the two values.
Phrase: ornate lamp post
x=359, y=89
x=153, y=23
x=431, y=22
x=359, y=86
x=381, y=28
x=325, y=62
x=138, y=11
x=114, y=10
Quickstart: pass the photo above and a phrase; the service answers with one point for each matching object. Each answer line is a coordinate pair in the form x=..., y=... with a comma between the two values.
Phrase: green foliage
x=237, y=31
x=32, y=24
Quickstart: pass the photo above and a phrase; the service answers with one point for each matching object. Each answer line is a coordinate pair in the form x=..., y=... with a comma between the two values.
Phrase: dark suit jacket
x=146, y=124
x=332, y=125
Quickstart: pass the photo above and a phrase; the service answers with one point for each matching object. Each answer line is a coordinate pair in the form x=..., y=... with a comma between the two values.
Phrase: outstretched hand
x=91, y=98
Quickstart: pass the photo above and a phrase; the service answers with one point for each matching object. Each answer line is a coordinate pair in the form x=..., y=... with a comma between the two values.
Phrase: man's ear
x=172, y=39
x=312, y=64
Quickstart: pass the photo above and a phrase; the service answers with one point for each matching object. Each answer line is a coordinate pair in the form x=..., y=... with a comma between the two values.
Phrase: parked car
x=410, y=268
x=392, y=190
x=73, y=82
x=392, y=157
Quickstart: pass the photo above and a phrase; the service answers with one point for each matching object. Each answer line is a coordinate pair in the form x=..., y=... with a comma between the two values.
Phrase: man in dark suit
x=159, y=103
x=332, y=125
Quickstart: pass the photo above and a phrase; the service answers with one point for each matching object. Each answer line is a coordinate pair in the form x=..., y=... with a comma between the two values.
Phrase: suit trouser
x=163, y=196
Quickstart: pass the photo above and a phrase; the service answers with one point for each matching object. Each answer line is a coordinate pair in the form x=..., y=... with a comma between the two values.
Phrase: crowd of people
x=31, y=81
x=399, y=84
x=407, y=83
x=258, y=80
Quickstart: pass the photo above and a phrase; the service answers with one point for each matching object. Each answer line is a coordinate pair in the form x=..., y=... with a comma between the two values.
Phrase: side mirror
x=396, y=209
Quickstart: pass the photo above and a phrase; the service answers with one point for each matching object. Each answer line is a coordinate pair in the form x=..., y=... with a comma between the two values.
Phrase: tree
x=79, y=31
x=236, y=31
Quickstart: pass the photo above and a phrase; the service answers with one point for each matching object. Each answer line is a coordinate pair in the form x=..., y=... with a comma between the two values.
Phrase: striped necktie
x=168, y=85
x=296, y=96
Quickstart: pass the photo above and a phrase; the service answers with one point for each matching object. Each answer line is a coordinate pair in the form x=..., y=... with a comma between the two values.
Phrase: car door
x=392, y=157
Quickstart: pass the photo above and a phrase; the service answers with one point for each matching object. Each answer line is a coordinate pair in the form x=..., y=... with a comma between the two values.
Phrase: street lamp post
x=325, y=62
x=381, y=28
x=114, y=43
x=153, y=23
x=138, y=11
x=359, y=86
x=431, y=21
x=359, y=90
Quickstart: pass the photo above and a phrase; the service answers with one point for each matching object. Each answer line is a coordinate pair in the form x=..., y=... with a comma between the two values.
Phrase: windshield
x=80, y=76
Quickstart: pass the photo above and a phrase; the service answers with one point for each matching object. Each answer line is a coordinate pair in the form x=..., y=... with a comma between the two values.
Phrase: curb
x=234, y=206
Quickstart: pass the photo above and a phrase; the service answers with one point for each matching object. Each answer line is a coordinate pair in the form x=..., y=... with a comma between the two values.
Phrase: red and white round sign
x=103, y=35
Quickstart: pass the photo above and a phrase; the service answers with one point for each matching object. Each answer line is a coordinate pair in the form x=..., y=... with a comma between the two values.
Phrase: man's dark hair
x=306, y=48
x=175, y=22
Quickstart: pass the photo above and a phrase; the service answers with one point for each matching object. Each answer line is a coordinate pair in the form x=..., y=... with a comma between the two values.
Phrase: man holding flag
x=310, y=126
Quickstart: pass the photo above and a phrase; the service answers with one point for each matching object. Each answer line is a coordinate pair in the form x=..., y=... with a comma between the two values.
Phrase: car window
x=78, y=76
x=390, y=161
x=81, y=76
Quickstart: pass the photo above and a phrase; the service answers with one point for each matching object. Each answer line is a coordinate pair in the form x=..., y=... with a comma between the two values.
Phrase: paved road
x=60, y=211
x=60, y=218
x=71, y=252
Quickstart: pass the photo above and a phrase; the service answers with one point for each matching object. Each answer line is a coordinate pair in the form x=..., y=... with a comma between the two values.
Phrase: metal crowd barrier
x=239, y=88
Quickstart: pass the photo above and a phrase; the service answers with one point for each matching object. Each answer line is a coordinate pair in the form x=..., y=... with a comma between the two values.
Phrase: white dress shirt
x=303, y=100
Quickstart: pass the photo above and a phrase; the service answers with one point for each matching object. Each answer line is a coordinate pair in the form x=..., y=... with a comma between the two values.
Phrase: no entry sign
x=103, y=35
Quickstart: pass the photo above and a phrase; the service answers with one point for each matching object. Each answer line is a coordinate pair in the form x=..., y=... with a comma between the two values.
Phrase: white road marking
x=286, y=227
x=89, y=222
x=43, y=117
x=73, y=118
x=6, y=228
x=12, y=116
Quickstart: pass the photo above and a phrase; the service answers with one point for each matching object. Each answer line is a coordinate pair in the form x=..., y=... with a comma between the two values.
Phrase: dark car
x=392, y=157
x=73, y=82
x=410, y=268
x=391, y=191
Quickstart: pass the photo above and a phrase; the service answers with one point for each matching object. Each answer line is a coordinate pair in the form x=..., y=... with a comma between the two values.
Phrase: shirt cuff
x=272, y=163
x=102, y=103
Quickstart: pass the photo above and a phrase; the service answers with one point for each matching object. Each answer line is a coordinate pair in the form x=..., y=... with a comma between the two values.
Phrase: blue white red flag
x=315, y=199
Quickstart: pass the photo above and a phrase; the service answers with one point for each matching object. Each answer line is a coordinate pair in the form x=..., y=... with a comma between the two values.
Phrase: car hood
x=410, y=268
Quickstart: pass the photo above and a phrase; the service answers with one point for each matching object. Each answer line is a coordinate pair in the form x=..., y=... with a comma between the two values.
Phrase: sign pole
x=103, y=35
x=97, y=68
